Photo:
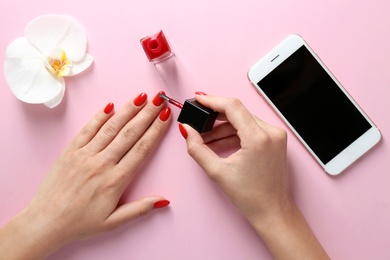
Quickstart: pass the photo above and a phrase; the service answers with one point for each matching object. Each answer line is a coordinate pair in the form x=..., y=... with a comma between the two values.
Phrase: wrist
x=29, y=235
x=287, y=234
x=276, y=215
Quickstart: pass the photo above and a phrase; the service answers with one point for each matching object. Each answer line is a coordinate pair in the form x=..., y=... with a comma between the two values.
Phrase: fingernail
x=165, y=113
x=183, y=131
x=200, y=93
x=140, y=99
x=161, y=204
x=157, y=101
x=108, y=108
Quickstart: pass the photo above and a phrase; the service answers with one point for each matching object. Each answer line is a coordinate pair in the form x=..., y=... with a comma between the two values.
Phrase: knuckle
x=97, y=167
x=147, y=113
x=130, y=133
x=235, y=102
x=109, y=130
x=192, y=151
x=143, y=148
x=275, y=137
x=142, y=210
x=101, y=164
x=280, y=135
x=158, y=127
x=262, y=138
x=150, y=111
x=116, y=181
x=261, y=141
x=85, y=131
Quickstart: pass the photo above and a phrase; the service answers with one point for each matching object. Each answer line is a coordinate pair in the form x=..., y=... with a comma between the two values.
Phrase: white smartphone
x=305, y=94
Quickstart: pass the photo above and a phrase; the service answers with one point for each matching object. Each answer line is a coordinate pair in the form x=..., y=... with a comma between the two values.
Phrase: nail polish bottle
x=193, y=113
x=201, y=118
x=156, y=47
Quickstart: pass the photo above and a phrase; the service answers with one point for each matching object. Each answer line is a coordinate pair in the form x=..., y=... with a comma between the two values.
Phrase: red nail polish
x=156, y=47
x=183, y=131
x=140, y=99
x=165, y=113
x=108, y=108
x=157, y=100
x=161, y=204
x=200, y=93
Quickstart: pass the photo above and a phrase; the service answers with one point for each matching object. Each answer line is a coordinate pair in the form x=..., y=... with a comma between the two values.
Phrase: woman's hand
x=80, y=195
x=254, y=177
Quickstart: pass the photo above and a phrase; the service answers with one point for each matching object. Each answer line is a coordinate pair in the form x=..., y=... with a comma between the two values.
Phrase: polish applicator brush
x=193, y=113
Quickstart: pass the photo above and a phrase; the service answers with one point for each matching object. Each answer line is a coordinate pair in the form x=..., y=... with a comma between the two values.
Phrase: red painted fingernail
x=161, y=204
x=157, y=101
x=165, y=113
x=140, y=99
x=183, y=131
x=108, y=108
x=200, y=93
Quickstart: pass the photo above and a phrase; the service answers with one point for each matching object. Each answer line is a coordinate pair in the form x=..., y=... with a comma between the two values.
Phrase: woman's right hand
x=254, y=177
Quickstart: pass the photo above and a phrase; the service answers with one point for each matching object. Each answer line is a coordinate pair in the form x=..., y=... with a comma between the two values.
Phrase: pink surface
x=215, y=44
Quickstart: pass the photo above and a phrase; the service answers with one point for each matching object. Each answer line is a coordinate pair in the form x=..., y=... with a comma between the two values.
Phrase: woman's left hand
x=79, y=197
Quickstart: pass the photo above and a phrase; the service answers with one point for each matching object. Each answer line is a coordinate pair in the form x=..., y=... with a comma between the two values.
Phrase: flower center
x=58, y=63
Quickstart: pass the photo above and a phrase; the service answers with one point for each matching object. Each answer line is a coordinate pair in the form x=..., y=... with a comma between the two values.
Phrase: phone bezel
x=273, y=59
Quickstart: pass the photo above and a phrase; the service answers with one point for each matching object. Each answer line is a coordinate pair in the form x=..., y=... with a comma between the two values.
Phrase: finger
x=236, y=113
x=221, y=117
x=207, y=159
x=132, y=131
x=135, y=157
x=219, y=131
x=239, y=117
x=112, y=127
x=222, y=138
x=225, y=144
x=133, y=210
x=260, y=122
x=92, y=127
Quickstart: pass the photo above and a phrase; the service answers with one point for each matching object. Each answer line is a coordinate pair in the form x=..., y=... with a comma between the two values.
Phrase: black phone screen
x=314, y=105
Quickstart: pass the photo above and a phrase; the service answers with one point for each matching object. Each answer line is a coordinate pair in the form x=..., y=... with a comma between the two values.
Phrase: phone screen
x=314, y=105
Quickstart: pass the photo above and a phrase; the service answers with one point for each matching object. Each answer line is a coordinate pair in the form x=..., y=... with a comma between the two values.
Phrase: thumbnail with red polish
x=183, y=131
x=161, y=204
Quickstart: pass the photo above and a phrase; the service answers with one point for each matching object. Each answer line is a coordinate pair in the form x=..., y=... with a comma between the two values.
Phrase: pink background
x=215, y=43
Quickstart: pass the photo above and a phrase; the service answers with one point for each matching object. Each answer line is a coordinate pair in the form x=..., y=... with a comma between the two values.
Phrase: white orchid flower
x=53, y=47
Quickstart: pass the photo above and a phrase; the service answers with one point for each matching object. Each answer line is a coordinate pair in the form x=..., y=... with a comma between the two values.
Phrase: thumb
x=135, y=209
x=199, y=151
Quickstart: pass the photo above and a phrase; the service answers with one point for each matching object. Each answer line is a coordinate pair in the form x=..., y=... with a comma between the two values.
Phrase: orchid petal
x=78, y=67
x=50, y=32
x=27, y=76
x=56, y=100
x=21, y=48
